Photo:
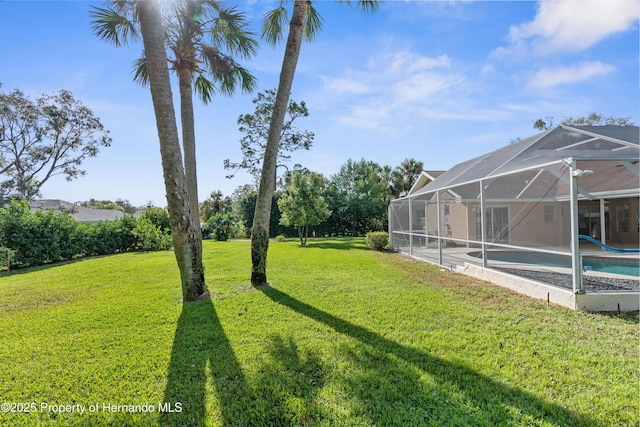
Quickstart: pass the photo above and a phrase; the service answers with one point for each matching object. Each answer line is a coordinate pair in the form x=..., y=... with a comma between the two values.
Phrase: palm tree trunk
x=260, y=229
x=182, y=227
x=185, y=79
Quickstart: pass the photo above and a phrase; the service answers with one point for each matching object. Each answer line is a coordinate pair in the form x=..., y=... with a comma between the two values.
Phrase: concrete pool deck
x=603, y=291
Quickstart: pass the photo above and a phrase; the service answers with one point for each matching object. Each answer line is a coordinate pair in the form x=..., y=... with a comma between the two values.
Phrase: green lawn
x=343, y=336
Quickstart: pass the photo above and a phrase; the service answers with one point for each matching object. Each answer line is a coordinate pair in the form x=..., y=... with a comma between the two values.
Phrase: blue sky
x=439, y=81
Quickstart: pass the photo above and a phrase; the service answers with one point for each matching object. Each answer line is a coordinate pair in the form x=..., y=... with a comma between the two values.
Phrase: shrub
x=158, y=217
x=38, y=237
x=108, y=237
x=6, y=257
x=377, y=240
x=150, y=237
x=280, y=238
x=218, y=227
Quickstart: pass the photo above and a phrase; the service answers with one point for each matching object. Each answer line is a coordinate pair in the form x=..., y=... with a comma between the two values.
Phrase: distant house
x=79, y=213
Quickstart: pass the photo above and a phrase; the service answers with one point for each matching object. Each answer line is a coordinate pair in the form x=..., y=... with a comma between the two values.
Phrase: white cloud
x=569, y=26
x=553, y=76
x=346, y=85
x=487, y=69
x=390, y=89
x=408, y=62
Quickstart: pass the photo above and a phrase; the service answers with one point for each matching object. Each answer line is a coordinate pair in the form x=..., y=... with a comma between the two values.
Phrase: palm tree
x=226, y=28
x=305, y=23
x=404, y=176
x=183, y=230
x=198, y=32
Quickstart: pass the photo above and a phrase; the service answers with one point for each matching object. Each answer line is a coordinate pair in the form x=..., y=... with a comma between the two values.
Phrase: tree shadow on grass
x=287, y=385
x=392, y=389
x=202, y=352
x=48, y=266
x=345, y=243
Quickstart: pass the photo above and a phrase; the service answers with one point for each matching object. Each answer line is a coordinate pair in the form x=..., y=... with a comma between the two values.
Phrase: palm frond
x=366, y=6
x=274, y=22
x=113, y=26
x=230, y=30
x=139, y=69
x=204, y=88
x=312, y=24
x=226, y=71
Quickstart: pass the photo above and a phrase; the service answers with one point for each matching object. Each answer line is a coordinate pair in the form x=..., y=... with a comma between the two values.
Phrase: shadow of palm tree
x=288, y=384
x=344, y=243
x=202, y=352
x=385, y=383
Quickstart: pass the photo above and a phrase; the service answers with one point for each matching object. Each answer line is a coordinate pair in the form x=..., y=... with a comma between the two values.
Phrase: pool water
x=624, y=266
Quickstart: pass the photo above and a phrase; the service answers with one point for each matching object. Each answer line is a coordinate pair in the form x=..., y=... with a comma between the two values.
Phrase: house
x=425, y=178
x=534, y=197
x=79, y=213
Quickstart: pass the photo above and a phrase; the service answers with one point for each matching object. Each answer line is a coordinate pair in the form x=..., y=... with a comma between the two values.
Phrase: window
x=496, y=220
x=421, y=217
x=550, y=213
x=623, y=218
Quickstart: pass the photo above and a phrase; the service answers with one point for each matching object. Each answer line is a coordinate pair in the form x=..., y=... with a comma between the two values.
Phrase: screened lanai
x=521, y=209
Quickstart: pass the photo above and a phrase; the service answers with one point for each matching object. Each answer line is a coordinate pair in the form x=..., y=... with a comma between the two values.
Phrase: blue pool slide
x=607, y=247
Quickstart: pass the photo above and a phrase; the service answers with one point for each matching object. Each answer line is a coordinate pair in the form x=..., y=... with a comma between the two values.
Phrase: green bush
x=377, y=240
x=41, y=237
x=158, y=217
x=150, y=237
x=280, y=238
x=6, y=257
x=108, y=237
x=38, y=237
x=219, y=227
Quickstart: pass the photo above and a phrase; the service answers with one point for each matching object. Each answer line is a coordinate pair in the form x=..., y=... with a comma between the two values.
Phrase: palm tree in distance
x=305, y=23
x=198, y=32
x=404, y=176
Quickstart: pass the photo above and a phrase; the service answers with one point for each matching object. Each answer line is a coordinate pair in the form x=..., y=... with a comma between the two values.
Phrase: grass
x=342, y=336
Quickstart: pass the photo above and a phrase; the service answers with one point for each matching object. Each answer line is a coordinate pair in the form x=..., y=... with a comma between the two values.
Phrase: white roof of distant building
x=79, y=213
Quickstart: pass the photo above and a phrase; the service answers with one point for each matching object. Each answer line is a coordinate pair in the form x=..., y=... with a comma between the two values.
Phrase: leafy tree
x=593, y=119
x=596, y=119
x=102, y=204
x=244, y=207
x=38, y=140
x=404, y=176
x=543, y=125
x=216, y=203
x=305, y=23
x=302, y=205
x=119, y=205
x=256, y=128
x=185, y=232
x=358, y=198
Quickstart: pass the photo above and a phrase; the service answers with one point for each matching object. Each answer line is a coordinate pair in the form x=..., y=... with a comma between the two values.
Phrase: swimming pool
x=624, y=266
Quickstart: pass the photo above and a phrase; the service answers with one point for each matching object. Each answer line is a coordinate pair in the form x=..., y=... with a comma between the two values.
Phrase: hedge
x=42, y=237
